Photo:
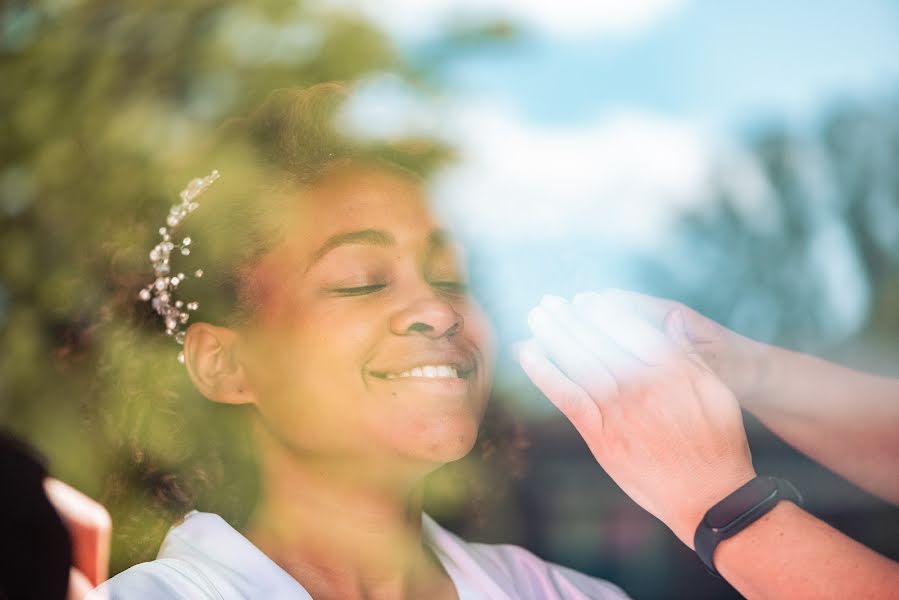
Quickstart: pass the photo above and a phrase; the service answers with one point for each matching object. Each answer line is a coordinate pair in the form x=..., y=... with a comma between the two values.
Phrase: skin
x=90, y=528
x=634, y=376
x=342, y=449
x=845, y=419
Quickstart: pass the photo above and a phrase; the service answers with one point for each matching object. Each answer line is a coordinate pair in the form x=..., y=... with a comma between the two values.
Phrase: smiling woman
x=341, y=355
x=356, y=290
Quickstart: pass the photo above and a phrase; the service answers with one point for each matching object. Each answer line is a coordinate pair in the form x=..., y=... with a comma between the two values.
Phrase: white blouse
x=205, y=558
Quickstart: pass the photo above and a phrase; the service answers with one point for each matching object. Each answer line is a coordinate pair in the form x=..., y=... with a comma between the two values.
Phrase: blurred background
x=738, y=156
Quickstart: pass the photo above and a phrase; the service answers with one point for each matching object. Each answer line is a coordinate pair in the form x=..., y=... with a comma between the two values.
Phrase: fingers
x=608, y=313
x=699, y=329
x=649, y=308
x=595, y=339
x=676, y=329
x=586, y=361
x=605, y=349
x=567, y=396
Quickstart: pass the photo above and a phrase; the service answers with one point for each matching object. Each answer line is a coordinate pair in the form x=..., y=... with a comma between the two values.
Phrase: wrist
x=756, y=372
x=694, y=509
x=731, y=547
x=739, y=511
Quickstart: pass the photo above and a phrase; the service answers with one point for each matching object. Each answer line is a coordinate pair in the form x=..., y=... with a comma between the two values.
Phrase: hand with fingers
x=656, y=417
x=737, y=360
x=843, y=418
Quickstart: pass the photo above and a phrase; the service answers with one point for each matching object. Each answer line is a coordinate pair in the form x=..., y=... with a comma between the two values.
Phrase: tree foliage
x=103, y=103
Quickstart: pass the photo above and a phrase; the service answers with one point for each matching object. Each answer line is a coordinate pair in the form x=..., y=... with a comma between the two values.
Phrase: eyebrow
x=372, y=237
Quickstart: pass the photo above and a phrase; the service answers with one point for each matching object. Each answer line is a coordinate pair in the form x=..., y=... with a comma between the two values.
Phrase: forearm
x=844, y=419
x=788, y=553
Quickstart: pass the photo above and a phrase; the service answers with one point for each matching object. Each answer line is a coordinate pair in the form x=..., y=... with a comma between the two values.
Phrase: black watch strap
x=739, y=510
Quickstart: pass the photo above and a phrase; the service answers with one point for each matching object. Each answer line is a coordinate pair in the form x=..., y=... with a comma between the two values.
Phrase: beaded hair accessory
x=160, y=293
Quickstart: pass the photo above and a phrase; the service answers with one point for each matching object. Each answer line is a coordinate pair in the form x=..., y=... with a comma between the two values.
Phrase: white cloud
x=621, y=179
x=624, y=176
x=422, y=19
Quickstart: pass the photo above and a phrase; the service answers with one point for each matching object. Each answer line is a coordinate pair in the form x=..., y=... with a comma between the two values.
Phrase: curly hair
x=173, y=450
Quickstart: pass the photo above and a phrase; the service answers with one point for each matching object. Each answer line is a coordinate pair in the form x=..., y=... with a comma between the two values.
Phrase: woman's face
x=368, y=346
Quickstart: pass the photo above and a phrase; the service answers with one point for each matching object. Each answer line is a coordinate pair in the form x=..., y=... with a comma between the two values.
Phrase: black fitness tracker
x=739, y=510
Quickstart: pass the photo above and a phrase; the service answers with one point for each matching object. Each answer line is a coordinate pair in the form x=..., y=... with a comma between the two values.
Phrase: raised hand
x=655, y=416
x=737, y=360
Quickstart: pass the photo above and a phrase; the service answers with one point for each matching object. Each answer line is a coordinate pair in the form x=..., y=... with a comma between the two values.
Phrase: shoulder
x=202, y=558
x=161, y=578
x=504, y=571
x=534, y=577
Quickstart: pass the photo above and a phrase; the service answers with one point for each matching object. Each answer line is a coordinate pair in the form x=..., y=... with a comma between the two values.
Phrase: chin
x=446, y=442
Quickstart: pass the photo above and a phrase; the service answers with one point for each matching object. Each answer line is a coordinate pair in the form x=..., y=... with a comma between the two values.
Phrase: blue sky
x=725, y=64
x=642, y=102
x=585, y=140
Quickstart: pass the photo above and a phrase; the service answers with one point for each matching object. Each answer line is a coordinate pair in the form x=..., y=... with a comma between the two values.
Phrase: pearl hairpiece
x=161, y=291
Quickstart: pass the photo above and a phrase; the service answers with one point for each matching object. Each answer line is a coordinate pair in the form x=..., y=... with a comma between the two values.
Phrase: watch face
x=746, y=498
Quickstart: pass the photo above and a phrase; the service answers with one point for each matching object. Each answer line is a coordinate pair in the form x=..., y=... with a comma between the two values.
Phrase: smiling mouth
x=436, y=371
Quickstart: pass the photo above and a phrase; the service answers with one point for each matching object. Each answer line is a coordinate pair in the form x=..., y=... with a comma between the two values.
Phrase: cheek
x=479, y=330
x=314, y=386
x=329, y=350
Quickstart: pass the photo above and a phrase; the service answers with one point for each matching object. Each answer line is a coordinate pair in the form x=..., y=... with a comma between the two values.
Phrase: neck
x=341, y=531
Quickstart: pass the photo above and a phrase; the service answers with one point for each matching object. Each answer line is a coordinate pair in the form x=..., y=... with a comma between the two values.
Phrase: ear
x=213, y=363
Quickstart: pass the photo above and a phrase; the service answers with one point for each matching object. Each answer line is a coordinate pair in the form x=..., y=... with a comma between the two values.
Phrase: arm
x=670, y=434
x=790, y=553
x=844, y=419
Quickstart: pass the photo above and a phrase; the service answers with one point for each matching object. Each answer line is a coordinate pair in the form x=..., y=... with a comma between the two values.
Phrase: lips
x=433, y=365
x=428, y=371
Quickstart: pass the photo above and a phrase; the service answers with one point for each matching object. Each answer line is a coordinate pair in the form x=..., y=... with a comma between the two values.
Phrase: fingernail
x=678, y=321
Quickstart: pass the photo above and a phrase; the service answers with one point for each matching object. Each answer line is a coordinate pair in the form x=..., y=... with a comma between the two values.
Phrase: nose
x=431, y=317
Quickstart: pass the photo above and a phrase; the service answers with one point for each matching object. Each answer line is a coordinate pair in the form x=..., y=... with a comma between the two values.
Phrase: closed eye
x=359, y=291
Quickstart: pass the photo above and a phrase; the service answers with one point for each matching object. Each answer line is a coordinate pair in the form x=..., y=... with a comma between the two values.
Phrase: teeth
x=427, y=371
